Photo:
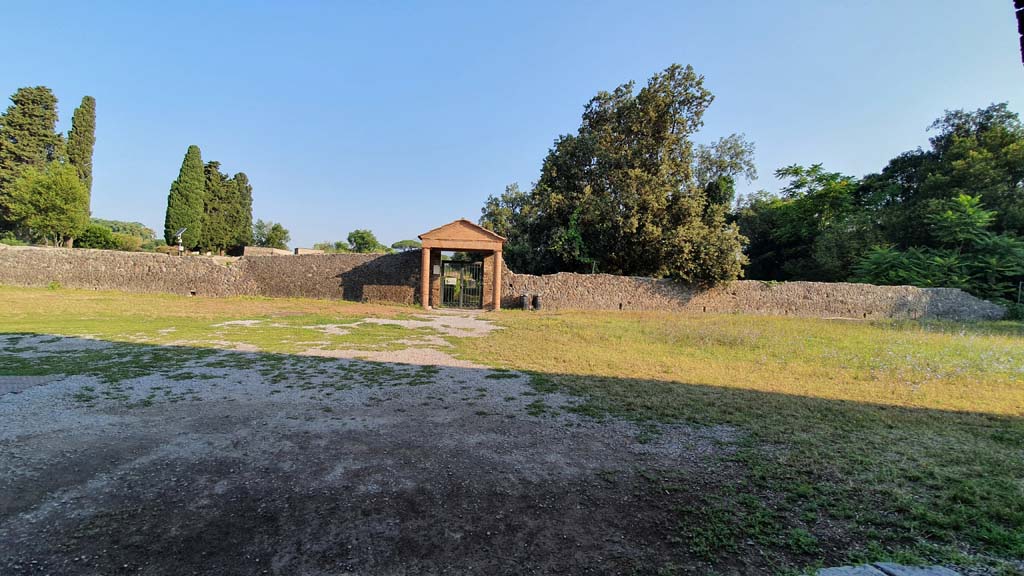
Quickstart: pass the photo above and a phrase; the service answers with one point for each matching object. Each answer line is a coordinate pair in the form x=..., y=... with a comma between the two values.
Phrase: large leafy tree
x=82, y=140
x=270, y=235
x=365, y=241
x=51, y=203
x=808, y=232
x=186, y=201
x=28, y=139
x=977, y=153
x=621, y=195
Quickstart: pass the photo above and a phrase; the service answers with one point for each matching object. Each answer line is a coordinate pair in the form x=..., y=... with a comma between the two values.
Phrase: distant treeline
x=45, y=177
x=629, y=193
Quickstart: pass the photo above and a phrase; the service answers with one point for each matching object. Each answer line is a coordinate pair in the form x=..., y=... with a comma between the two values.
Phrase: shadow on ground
x=175, y=460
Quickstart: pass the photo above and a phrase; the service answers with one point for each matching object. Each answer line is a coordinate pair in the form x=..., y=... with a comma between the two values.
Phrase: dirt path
x=334, y=466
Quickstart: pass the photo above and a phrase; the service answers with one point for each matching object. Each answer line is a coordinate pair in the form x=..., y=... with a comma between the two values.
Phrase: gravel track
x=348, y=467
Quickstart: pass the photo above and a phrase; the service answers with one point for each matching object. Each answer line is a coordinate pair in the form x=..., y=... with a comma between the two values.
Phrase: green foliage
x=82, y=140
x=810, y=232
x=28, y=139
x=96, y=236
x=337, y=247
x=405, y=245
x=51, y=204
x=227, y=211
x=101, y=237
x=968, y=256
x=241, y=215
x=186, y=201
x=623, y=195
x=8, y=238
x=118, y=235
x=270, y=235
x=960, y=221
x=920, y=221
x=137, y=229
x=217, y=206
x=364, y=241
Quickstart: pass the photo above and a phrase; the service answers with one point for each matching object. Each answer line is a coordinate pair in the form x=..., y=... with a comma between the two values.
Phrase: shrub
x=9, y=239
x=96, y=236
x=127, y=242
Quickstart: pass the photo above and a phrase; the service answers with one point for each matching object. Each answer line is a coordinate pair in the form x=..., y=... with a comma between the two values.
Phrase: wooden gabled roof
x=462, y=235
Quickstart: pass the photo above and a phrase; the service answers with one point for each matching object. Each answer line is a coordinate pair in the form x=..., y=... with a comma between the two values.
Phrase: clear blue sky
x=399, y=117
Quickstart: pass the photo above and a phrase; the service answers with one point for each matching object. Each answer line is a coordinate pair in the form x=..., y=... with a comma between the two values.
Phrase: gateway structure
x=461, y=284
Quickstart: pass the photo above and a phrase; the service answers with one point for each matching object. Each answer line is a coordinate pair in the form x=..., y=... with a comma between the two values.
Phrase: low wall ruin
x=395, y=278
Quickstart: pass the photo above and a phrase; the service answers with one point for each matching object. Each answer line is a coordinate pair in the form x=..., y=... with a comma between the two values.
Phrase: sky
x=401, y=116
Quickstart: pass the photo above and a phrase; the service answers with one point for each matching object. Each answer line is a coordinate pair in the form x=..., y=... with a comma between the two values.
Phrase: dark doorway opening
x=462, y=284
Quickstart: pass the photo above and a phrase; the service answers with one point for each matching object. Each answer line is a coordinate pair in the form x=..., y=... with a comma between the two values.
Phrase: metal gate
x=462, y=284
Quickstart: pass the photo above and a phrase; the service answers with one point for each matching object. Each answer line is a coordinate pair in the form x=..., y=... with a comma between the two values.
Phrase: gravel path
x=291, y=465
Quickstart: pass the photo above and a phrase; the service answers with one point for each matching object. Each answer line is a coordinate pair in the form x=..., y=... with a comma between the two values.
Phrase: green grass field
x=857, y=440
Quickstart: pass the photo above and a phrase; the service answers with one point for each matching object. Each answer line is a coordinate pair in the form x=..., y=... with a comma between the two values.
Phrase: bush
x=9, y=239
x=96, y=236
x=127, y=242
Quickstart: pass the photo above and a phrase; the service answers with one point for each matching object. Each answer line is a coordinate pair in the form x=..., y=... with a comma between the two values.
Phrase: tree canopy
x=82, y=140
x=624, y=194
x=28, y=139
x=270, y=235
x=950, y=215
x=364, y=241
x=51, y=203
x=186, y=201
x=405, y=245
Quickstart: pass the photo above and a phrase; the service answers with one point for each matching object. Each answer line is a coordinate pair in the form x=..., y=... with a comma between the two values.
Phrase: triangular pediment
x=462, y=230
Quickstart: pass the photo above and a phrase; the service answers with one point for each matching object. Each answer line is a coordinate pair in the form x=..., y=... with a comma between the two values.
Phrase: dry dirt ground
x=252, y=463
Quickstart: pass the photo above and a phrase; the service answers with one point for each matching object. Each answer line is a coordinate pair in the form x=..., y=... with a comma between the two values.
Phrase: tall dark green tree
x=28, y=138
x=185, y=202
x=218, y=203
x=82, y=140
x=241, y=221
x=621, y=195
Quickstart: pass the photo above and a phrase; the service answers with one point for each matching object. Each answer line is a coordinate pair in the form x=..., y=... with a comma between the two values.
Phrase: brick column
x=425, y=279
x=497, y=280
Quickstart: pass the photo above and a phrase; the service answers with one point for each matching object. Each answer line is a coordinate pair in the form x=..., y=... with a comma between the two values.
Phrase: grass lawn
x=857, y=440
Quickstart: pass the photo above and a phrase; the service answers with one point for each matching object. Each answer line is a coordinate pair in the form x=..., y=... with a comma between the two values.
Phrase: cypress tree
x=186, y=201
x=28, y=137
x=82, y=139
x=217, y=207
x=243, y=220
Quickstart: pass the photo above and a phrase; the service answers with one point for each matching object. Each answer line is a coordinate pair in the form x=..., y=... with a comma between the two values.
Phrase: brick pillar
x=496, y=291
x=425, y=278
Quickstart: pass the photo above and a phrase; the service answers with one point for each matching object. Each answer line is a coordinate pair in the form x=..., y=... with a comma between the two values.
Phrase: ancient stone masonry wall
x=395, y=278
x=808, y=299
x=369, y=277
x=372, y=277
x=129, y=271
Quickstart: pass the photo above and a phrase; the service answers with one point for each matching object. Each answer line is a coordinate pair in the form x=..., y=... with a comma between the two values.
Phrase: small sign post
x=181, y=246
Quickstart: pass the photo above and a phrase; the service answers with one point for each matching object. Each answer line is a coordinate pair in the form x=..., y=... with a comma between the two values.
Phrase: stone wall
x=370, y=277
x=374, y=277
x=395, y=278
x=809, y=299
x=130, y=271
